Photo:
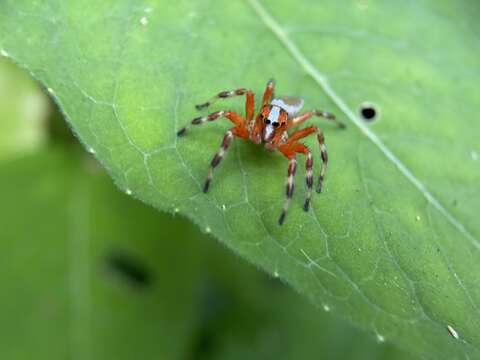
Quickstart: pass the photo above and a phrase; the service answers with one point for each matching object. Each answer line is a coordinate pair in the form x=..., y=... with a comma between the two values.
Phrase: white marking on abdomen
x=291, y=107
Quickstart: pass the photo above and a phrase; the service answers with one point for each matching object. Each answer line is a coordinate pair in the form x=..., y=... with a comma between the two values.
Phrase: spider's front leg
x=231, y=93
x=239, y=131
x=267, y=96
x=268, y=93
x=221, y=95
x=230, y=115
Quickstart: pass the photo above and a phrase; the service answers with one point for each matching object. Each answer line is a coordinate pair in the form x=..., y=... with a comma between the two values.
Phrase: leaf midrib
x=321, y=80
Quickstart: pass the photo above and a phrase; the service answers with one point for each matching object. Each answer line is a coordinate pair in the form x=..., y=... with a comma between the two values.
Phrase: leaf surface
x=116, y=279
x=393, y=242
x=87, y=273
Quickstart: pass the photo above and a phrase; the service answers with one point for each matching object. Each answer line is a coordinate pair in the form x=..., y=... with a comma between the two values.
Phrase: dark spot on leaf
x=129, y=269
x=368, y=112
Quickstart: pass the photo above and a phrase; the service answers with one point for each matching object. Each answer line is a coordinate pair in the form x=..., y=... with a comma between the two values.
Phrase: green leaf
x=393, y=242
x=88, y=273
x=106, y=277
x=249, y=321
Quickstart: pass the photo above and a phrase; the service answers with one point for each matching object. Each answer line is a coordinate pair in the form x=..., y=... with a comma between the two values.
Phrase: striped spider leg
x=240, y=130
x=289, y=150
x=291, y=147
x=269, y=128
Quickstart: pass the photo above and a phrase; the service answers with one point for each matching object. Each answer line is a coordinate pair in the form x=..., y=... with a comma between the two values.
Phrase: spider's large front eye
x=276, y=124
x=267, y=121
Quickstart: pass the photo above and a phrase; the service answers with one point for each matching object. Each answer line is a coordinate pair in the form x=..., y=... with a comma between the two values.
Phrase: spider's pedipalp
x=221, y=95
x=217, y=158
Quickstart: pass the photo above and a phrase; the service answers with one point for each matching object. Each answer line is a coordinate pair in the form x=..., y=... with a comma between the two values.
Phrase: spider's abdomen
x=291, y=104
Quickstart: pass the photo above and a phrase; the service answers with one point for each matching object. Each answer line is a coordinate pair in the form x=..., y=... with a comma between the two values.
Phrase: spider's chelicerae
x=269, y=128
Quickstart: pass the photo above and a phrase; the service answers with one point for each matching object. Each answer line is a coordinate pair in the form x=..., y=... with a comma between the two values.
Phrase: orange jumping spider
x=270, y=127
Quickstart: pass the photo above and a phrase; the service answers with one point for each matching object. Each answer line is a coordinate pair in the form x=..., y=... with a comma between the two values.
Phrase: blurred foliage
x=23, y=112
x=89, y=273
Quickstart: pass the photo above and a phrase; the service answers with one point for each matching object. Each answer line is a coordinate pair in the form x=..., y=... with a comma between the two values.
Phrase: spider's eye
x=276, y=124
x=267, y=121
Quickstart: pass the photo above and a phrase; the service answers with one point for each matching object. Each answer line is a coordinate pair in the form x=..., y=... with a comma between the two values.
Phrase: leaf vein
x=321, y=80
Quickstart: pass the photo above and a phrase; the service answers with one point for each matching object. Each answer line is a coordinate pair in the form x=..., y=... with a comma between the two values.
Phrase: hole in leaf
x=129, y=269
x=368, y=112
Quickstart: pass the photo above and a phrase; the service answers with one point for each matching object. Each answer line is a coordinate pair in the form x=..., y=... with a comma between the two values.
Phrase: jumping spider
x=269, y=127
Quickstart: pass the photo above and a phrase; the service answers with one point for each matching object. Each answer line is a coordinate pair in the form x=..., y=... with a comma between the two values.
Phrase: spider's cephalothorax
x=270, y=128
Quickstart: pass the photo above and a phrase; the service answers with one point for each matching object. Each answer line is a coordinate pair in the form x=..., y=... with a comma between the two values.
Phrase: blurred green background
x=89, y=273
